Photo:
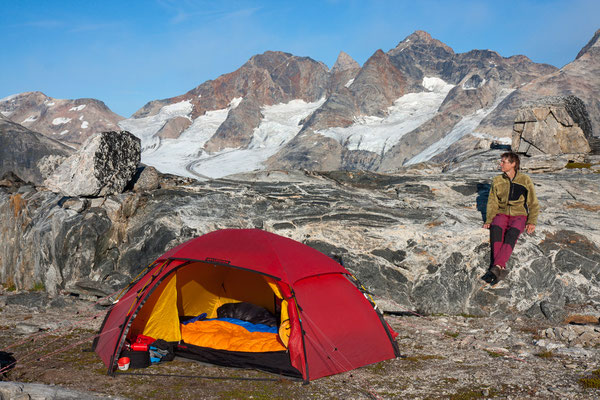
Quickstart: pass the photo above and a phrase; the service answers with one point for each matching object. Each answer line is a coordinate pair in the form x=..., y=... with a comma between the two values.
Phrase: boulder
x=103, y=166
x=148, y=179
x=552, y=125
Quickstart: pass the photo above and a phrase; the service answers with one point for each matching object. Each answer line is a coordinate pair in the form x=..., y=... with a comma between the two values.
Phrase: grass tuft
x=38, y=287
x=494, y=353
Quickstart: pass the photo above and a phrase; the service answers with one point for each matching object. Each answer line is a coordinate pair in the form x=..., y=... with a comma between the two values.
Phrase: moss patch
x=494, y=353
x=545, y=354
x=377, y=369
x=580, y=165
x=582, y=319
x=574, y=165
x=469, y=394
x=592, y=381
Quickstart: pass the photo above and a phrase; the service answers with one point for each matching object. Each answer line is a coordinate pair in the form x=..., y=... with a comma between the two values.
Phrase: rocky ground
x=414, y=239
x=443, y=357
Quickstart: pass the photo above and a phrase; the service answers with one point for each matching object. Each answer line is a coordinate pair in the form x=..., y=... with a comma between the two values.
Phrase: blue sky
x=127, y=53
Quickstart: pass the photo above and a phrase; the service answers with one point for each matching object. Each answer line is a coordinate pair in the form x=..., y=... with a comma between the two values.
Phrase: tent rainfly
x=326, y=322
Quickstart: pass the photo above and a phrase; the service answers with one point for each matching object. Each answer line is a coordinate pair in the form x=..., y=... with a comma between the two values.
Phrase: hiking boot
x=503, y=274
x=499, y=274
x=490, y=278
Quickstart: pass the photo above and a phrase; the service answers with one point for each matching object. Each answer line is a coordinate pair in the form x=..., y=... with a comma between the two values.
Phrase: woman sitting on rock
x=512, y=208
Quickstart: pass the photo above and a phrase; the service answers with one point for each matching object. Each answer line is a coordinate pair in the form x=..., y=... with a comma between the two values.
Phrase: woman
x=512, y=208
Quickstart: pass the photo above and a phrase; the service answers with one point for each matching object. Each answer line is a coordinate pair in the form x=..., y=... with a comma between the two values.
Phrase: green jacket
x=516, y=197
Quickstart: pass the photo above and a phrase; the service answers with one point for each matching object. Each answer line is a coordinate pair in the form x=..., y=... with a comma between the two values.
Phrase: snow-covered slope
x=185, y=155
x=146, y=128
x=378, y=134
x=467, y=125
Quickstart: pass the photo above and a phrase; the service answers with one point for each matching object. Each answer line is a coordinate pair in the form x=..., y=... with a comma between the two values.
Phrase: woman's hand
x=486, y=226
x=530, y=228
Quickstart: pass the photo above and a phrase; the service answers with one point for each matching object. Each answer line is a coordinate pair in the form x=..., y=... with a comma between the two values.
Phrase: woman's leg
x=513, y=229
x=497, y=230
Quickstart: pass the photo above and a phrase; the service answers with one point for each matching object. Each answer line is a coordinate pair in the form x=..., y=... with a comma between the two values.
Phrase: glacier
x=185, y=155
x=408, y=112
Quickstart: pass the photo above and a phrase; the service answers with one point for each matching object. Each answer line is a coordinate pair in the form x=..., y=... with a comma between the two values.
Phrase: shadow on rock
x=483, y=192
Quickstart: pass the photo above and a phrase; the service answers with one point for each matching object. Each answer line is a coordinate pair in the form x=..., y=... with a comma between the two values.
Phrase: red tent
x=327, y=323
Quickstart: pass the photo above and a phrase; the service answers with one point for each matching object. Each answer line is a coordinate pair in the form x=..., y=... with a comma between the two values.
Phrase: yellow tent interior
x=201, y=287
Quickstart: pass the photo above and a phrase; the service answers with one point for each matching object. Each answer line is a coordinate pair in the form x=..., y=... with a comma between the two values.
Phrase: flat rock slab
x=26, y=391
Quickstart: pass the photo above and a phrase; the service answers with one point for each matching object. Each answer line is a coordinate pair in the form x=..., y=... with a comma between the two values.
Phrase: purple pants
x=504, y=232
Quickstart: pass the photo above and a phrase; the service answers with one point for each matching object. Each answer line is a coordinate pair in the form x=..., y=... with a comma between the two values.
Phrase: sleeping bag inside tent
x=251, y=299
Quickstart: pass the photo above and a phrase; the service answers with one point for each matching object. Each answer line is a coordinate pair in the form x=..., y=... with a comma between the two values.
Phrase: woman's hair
x=512, y=157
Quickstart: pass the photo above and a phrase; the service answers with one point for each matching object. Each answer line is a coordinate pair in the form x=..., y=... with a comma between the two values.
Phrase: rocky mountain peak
x=10, y=103
x=378, y=84
x=65, y=120
x=344, y=62
x=519, y=58
x=378, y=56
x=269, y=59
x=421, y=38
x=593, y=43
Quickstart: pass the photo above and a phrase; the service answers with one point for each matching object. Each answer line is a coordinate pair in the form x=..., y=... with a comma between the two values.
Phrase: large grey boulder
x=552, y=125
x=103, y=166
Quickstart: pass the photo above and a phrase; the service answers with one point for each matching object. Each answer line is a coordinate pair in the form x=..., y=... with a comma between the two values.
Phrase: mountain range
x=279, y=111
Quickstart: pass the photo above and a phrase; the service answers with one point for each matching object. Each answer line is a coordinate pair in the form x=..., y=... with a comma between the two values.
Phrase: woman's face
x=506, y=165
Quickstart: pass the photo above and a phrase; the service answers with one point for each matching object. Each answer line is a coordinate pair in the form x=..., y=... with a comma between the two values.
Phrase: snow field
x=145, y=128
x=406, y=114
x=279, y=126
x=185, y=156
x=465, y=126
